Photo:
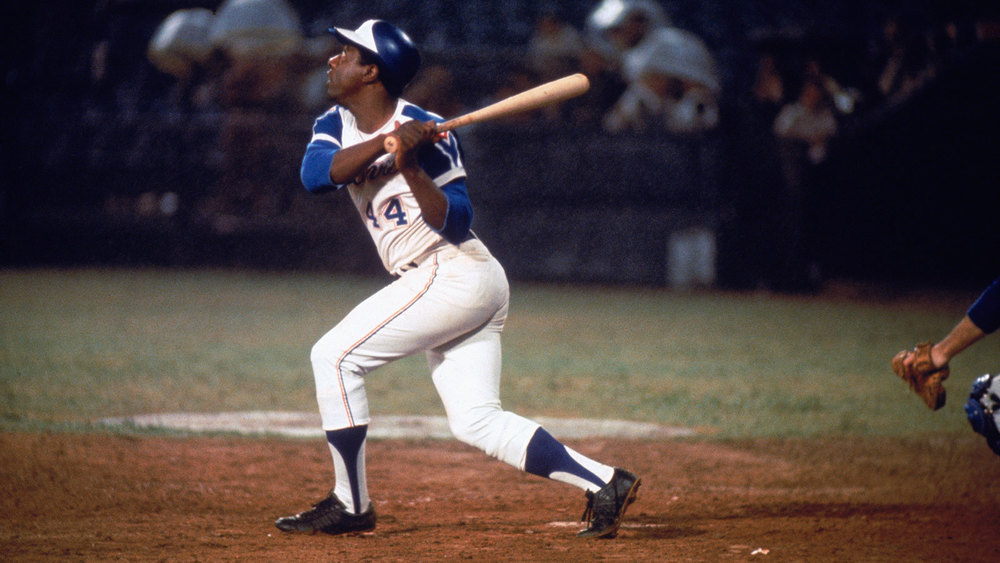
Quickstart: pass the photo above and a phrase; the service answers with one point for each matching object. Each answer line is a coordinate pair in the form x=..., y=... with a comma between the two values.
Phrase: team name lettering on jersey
x=376, y=170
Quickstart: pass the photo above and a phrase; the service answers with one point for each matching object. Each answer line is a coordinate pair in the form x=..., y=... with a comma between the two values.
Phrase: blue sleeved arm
x=458, y=220
x=325, y=142
x=985, y=312
x=315, y=172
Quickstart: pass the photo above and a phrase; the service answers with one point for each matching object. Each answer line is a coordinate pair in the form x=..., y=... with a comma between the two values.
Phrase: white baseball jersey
x=381, y=195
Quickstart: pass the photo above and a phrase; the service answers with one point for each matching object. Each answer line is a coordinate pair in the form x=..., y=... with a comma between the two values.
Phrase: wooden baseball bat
x=549, y=93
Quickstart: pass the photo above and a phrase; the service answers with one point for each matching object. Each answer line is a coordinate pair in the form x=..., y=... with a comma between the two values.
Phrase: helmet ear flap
x=983, y=409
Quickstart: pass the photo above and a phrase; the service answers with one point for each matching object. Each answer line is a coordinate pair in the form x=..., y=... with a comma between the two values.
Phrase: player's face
x=346, y=72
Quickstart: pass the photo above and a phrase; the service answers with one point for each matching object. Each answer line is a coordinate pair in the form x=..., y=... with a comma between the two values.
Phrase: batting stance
x=449, y=299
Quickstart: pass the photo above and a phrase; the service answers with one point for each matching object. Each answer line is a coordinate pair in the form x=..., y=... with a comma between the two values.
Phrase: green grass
x=77, y=345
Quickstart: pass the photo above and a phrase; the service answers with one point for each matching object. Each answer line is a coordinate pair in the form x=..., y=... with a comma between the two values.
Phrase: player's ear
x=371, y=74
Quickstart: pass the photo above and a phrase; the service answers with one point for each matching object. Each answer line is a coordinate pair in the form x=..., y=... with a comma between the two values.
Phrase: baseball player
x=926, y=366
x=449, y=299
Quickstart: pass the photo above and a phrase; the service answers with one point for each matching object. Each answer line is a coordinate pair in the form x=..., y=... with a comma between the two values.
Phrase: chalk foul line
x=307, y=425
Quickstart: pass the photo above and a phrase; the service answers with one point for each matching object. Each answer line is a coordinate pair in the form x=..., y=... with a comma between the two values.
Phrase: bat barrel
x=540, y=96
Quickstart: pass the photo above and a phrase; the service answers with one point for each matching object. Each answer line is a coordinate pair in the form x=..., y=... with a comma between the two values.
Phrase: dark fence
x=554, y=204
x=593, y=207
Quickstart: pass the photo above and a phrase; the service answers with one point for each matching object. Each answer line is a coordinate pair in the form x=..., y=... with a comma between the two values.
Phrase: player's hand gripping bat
x=546, y=94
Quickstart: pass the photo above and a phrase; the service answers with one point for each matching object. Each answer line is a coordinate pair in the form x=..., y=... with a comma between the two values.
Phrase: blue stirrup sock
x=347, y=446
x=549, y=458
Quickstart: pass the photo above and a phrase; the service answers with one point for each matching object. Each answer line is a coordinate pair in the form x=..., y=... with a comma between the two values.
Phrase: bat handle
x=391, y=143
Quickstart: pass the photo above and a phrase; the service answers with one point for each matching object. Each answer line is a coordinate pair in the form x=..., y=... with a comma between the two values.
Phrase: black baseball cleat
x=328, y=516
x=606, y=508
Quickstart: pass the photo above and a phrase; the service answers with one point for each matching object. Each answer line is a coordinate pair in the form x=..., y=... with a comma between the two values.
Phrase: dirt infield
x=139, y=498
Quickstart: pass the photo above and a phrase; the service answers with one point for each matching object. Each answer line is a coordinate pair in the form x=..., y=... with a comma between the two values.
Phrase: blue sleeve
x=458, y=220
x=315, y=172
x=325, y=142
x=985, y=312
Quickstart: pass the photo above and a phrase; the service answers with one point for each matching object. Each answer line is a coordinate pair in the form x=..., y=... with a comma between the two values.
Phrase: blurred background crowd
x=769, y=144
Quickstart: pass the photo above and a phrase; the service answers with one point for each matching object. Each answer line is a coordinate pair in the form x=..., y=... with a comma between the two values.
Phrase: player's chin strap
x=983, y=409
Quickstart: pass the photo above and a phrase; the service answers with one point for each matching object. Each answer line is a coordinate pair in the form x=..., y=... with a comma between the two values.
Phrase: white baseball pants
x=452, y=307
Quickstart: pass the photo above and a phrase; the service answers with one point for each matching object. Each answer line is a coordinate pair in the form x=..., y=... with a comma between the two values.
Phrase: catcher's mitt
x=916, y=368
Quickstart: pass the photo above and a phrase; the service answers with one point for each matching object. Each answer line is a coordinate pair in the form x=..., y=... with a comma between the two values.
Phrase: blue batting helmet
x=397, y=56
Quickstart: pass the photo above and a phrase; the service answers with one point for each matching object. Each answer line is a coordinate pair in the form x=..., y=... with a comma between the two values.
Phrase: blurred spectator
x=257, y=84
x=750, y=232
x=671, y=76
x=261, y=39
x=206, y=92
x=310, y=72
x=181, y=51
x=673, y=87
x=768, y=90
x=253, y=91
x=516, y=80
x=844, y=99
x=613, y=28
x=803, y=128
x=434, y=89
x=987, y=25
x=606, y=86
x=908, y=61
x=952, y=36
x=181, y=43
x=556, y=47
x=809, y=120
x=616, y=29
x=256, y=27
